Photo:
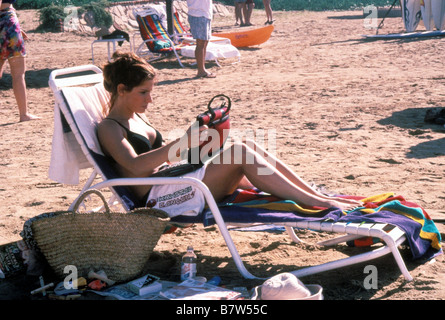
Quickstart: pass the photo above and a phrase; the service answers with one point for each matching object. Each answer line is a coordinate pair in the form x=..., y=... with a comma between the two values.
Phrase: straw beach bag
x=116, y=242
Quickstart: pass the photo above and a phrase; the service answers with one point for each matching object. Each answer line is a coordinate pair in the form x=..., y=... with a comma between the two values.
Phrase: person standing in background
x=12, y=48
x=243, y=8
x=200, y=13
x=268, y=9
x=239, y=4
x=248, y=12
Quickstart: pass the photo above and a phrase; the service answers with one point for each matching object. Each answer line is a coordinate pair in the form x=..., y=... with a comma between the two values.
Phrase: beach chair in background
x=179, y=30
x=157, y=43
x=79, y=101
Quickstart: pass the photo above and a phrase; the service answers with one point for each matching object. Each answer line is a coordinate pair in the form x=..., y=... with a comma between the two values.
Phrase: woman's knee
x=17, y=66
x=238, y=152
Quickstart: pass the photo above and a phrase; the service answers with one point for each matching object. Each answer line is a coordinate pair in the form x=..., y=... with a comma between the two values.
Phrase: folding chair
x=155, y=39
x=79, y=99
x=178, y=27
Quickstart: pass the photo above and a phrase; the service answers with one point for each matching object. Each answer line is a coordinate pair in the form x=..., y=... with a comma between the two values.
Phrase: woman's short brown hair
x=128, y=69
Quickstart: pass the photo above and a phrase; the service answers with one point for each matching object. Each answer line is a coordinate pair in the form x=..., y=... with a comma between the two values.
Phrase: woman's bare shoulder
x=107, y=126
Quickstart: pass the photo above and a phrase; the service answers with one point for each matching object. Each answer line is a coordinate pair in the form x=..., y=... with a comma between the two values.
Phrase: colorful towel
x=253, y=206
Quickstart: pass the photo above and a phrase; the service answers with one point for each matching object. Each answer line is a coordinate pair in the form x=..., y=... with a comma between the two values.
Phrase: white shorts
x=179, y=199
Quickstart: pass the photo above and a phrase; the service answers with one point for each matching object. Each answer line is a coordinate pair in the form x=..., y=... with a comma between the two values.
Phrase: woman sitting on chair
x=137, y=150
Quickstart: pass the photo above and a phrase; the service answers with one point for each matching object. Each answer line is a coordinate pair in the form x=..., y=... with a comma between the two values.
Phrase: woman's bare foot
x=206, y=75
x=347, y=201
x=28, y=117
x=342, y=205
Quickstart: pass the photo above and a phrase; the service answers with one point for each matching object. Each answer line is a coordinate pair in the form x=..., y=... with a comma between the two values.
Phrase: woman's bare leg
x=2, y=64
x=292, y=176
x=17, y=66
x=268, y=10
x=222, y=177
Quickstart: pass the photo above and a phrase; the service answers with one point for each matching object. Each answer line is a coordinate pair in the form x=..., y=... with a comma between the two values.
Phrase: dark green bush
x=49, y=17
x=39, y=4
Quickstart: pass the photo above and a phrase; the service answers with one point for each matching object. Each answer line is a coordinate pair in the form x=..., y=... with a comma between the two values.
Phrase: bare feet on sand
x=28, y=117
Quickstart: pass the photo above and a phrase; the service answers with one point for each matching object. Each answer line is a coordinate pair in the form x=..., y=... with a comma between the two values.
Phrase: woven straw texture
x=116, y=242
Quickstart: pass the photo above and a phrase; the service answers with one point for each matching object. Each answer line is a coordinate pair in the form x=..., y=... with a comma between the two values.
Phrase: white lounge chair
x=79, y=99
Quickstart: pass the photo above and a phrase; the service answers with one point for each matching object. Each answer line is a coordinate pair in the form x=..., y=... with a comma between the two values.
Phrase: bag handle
x=215, y=114
x=87, y=193
x=159, y=214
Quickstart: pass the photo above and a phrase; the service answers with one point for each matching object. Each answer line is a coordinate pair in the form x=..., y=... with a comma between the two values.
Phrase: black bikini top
x=139, y=142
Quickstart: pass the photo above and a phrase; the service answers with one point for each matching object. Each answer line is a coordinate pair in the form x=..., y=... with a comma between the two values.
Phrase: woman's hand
x=196, y=135
x=24, y=35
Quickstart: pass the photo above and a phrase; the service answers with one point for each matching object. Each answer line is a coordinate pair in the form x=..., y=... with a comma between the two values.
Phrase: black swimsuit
x=140, y=145
x=139, y=142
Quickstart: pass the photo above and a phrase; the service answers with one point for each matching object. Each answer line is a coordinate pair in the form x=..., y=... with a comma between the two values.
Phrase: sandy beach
x=348, y=116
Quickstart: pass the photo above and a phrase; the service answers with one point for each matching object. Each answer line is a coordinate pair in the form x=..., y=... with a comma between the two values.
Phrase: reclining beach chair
x=79, y=99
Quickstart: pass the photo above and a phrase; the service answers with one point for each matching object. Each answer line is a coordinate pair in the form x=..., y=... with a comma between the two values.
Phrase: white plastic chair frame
x=391, y=239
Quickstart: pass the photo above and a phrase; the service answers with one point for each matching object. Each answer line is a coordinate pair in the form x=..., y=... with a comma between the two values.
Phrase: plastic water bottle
x=188, y=264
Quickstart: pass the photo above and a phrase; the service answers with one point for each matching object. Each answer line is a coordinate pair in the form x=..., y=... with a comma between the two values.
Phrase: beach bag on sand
x=119, y=243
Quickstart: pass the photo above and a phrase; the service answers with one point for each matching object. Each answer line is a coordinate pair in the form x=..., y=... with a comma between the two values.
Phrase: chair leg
x=334, y=241
x=179, y=59
x=293, y=235
x=392, y=239
x=360, y=258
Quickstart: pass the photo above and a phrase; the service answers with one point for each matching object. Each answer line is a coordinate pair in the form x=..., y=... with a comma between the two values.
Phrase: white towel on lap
x=179, y=199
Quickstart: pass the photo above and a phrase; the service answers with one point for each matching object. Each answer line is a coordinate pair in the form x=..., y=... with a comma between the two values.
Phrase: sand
x=348, y=116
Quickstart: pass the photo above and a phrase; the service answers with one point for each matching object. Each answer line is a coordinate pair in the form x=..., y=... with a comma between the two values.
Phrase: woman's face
x=139, y=97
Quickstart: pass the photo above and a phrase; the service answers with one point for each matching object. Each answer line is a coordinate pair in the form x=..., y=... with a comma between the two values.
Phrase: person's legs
x=200, y=27
x=225, y=172
x=2, y=65
x=200, y=54
x=238, y=12
x=248, y=13
x=268, y=10
x=18, y=68
x=245, y=14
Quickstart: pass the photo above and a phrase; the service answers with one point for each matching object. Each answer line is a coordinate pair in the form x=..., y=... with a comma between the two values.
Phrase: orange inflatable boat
x=247, y=37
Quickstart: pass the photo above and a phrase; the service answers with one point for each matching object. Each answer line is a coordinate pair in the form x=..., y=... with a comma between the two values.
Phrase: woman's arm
x=115, y=145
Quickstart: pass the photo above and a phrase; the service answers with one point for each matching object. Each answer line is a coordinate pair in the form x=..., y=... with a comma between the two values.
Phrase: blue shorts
x=200, y=27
